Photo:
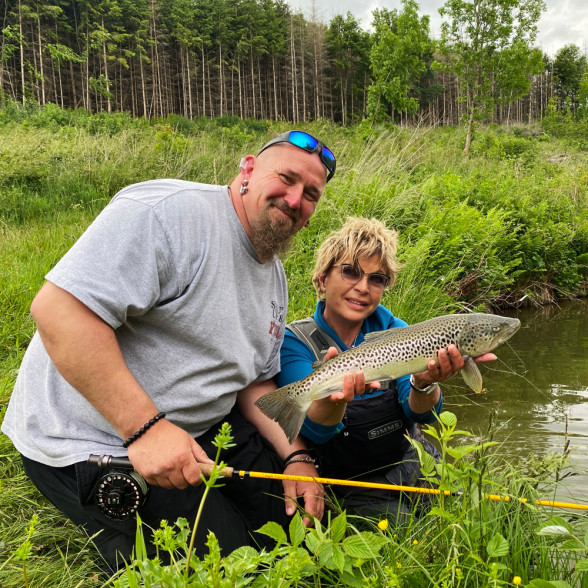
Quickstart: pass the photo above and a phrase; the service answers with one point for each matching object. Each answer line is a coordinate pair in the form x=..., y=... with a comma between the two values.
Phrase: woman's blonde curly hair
x=356, y=239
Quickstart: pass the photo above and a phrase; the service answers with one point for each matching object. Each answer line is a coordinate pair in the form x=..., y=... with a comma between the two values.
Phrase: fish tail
x=287, y=409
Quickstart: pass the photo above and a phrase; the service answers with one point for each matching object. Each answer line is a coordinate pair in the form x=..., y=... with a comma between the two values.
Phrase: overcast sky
x=564, y=22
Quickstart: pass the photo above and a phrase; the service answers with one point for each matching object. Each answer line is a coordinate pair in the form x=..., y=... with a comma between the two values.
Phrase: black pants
x=232, y=512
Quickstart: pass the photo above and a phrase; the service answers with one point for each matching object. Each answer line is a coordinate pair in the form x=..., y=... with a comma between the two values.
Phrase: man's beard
x=273, y=237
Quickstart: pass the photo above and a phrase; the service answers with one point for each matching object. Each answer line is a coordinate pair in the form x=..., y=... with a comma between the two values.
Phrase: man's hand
x=166, y=455
x=312, y=493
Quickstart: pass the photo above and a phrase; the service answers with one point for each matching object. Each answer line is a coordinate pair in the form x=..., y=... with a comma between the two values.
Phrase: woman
x=365, y=439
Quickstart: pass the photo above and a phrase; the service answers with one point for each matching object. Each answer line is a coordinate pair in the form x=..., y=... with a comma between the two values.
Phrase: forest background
x=260, y=59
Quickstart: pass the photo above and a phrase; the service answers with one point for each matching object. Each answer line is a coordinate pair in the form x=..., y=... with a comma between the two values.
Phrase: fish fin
x=471, y=375
x=284, y=408
x=317, y=364
x=371, y=337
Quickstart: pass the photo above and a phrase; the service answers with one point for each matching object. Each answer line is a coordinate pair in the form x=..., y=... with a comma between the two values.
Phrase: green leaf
x=325, y=555
x=338, y=557
x=297, y=530
x=353, y=579
x=498, y=546
x=539, y=583
x=476, y=558
x=448, y=419
x=557, y=521
x=338, y=527
x=461, y=450
x=572, y=545
x=553, y=530
x=582, y=565
x=275, y=531
x=312, y=542
x=365, y=545
x=441, y=513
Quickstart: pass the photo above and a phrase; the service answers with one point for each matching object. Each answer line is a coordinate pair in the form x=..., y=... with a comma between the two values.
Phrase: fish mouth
x=509, y=328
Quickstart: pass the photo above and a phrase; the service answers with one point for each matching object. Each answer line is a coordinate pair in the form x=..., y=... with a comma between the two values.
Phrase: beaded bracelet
x=307, y=452
x=143, y=429
x=300, y=460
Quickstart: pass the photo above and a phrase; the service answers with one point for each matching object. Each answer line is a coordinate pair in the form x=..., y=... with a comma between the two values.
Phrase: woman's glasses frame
x=353, y=274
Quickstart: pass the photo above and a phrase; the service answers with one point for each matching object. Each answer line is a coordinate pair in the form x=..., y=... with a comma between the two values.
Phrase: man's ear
x=246, y=165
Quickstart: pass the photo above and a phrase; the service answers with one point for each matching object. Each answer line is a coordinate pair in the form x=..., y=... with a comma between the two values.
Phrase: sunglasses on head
x=354, y=274
x=308, y=143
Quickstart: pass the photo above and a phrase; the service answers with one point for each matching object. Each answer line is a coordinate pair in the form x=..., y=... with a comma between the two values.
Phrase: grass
x=476, y=233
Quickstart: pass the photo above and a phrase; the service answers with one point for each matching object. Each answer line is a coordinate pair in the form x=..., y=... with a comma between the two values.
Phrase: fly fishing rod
x=123, y=463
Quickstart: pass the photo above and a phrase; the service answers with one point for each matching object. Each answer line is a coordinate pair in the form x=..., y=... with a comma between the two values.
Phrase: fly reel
x=119, y=494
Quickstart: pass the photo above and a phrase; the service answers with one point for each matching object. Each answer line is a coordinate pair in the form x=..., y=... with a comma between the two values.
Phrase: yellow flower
x=517, y=580
x=398, y=564
x=415, y=542
x=383, y=524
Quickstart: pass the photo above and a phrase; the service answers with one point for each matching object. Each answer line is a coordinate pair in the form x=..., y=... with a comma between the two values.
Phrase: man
x=166, y=314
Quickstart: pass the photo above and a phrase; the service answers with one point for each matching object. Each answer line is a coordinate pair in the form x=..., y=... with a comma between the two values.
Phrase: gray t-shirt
x=169, y=266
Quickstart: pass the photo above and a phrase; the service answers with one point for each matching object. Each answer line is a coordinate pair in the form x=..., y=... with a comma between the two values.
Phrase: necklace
x=355, y=340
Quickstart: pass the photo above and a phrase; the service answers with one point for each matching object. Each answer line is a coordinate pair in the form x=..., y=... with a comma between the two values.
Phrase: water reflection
x=539, y=387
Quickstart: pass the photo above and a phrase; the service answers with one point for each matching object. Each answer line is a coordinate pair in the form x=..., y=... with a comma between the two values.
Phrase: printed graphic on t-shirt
x=278, y=319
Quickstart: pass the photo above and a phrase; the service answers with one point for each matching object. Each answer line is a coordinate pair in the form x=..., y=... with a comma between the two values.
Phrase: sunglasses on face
x=353, y=274
x=308, y=143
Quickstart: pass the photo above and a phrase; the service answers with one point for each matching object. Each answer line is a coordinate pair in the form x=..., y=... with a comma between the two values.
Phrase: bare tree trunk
x=253, y=98
x=240, y=89
x=293, y=72
x=220, y=78
x=143, y=85
x=275, y=88
x=21, y=47
x=210, y=91
x=468, y=143
x=203, y=83
x=189, y=73
x=303, y=71
x=41, y=70
x=105, y=57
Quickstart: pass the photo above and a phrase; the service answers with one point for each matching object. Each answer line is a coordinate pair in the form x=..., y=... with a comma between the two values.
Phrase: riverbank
x=505, y=227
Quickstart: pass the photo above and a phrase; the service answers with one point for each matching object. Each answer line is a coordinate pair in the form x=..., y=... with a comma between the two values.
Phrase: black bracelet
x=298, y=452
x=143, y=429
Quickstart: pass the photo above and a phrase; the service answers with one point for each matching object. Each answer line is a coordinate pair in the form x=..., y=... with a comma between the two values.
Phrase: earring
x=244, y=187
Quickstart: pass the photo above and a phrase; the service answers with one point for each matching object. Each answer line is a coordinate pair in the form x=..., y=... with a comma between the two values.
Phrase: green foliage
x=511, y=220
x=476, y=539
x=488, y=46
x=569, y=69
x=398, y=57
x=563, y=124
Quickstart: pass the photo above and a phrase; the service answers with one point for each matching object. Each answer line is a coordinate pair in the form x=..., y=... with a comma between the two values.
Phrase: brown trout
x=388, y=355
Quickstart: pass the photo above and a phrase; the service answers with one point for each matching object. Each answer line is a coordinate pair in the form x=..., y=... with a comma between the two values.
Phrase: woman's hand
x=450, y=362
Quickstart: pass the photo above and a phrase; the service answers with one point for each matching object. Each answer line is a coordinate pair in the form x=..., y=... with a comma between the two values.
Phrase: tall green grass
x=510, y=221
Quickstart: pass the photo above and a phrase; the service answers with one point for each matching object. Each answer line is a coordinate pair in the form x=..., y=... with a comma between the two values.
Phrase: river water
x=539, y=388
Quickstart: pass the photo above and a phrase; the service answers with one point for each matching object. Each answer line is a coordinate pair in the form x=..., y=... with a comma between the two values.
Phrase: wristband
x=143, y=429
x=300, y=460
x=426, y=390
x=307, y=452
